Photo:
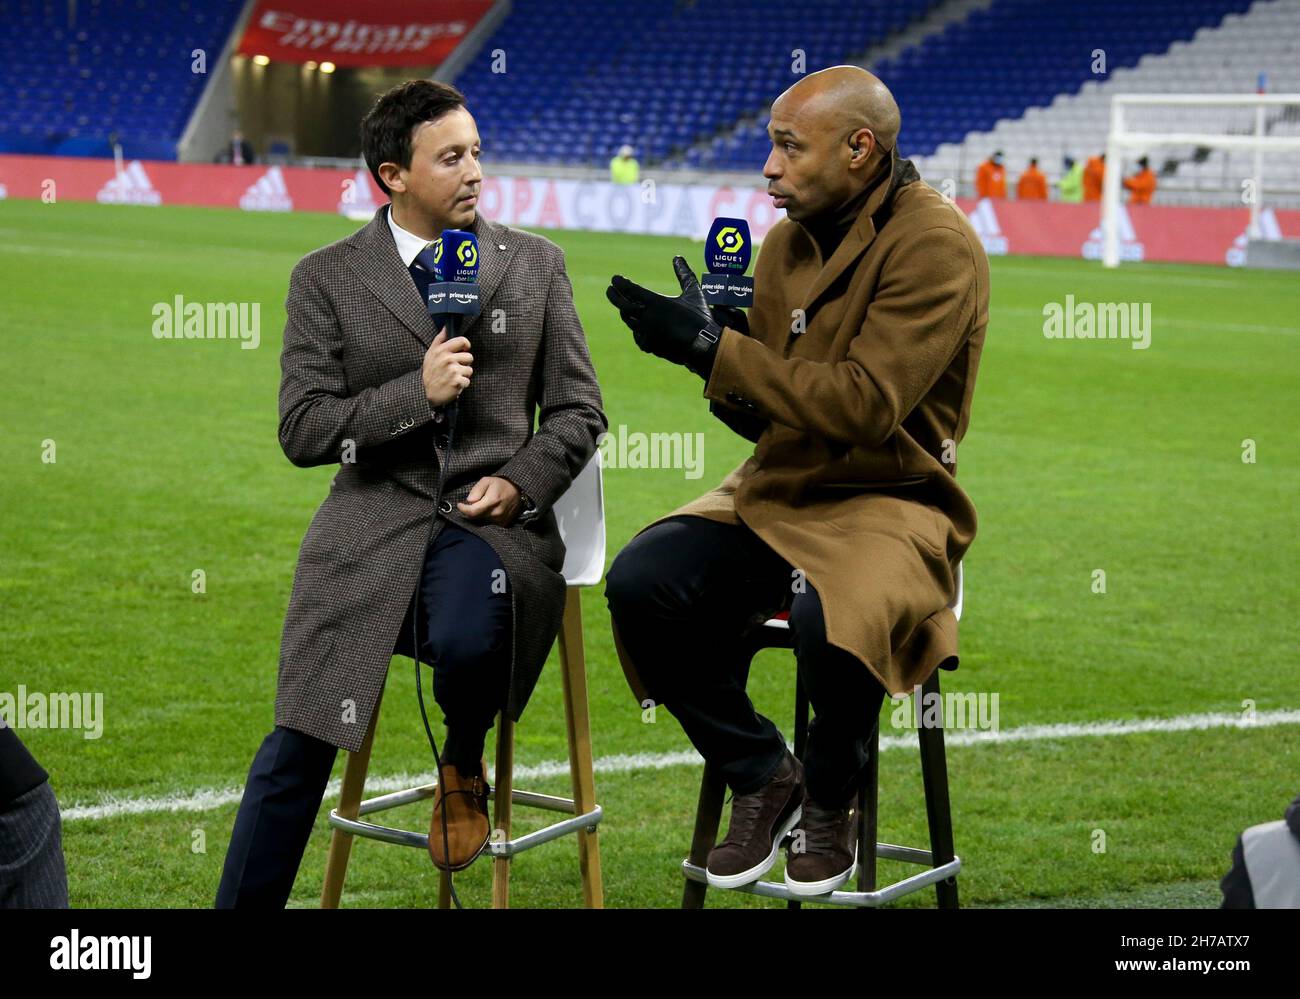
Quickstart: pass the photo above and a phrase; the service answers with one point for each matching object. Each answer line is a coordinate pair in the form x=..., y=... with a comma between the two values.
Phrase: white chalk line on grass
x=208, y=799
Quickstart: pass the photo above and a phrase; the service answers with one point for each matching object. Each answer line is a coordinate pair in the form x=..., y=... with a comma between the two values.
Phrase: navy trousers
x=465, y=620
x=683, y=594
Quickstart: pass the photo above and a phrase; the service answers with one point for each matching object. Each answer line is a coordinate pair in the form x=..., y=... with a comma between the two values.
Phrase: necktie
x=422, y=274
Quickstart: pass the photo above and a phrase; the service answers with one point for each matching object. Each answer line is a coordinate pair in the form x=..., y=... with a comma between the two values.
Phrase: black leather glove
x=681, y=329
x=729, y=315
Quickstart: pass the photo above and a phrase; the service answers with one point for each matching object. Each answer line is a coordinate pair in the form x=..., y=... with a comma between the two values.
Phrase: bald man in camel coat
x=854, y=376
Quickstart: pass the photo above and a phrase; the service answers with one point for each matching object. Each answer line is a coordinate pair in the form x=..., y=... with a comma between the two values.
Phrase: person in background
x=1265, y=870
x=1142, y=185
x=237, y=151
x=1071, y=185
x=1032, y=185
x=1094, y=172
x=991, y=178
x=623, y=168
x=32, y=874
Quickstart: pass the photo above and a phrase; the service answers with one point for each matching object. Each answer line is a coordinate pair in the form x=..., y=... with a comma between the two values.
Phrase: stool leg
x=708, y=815
x=800, y=741
x=444, y=890
x=354, y=783
x=868, y=812
x=934, y=772
x=505, y=782
x=581, y=766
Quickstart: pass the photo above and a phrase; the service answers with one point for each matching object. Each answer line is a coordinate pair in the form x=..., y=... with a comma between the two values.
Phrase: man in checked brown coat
x=443, y=485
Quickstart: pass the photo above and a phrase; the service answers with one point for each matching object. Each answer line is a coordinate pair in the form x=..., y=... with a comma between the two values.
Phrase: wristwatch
x=530, y=509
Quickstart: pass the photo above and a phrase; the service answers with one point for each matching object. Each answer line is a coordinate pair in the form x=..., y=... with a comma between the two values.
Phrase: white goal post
x=1239, y=134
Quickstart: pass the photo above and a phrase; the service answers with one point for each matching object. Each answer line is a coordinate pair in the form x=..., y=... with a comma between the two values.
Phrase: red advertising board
x=1147, y=232
x=346, y=33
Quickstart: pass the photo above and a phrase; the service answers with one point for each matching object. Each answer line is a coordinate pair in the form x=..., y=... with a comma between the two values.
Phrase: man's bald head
x=844, y=98
x=830, y=133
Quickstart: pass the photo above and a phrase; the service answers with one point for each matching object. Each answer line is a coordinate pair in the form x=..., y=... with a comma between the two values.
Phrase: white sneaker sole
x=757, y=871
x=808, y=889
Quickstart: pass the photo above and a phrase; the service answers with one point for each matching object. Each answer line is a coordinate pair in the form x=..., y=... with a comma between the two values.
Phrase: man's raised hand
x=447, y=370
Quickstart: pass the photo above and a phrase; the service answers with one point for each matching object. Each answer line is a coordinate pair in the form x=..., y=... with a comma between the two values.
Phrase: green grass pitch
x=1081, y=456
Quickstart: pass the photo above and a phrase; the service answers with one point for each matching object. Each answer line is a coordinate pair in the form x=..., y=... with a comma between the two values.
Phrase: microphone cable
x=415, y=642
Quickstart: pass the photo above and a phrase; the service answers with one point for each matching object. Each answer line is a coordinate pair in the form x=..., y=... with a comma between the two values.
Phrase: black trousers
x=683, y=594
x=465, y=619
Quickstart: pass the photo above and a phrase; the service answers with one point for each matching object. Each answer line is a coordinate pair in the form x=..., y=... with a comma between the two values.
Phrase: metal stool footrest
x=495, y=848
x=859, y=899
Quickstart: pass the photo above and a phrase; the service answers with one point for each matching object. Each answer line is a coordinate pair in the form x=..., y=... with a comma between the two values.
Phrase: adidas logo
x=984, y=220
x=1129, y=247
x=357, y=202
x=267, y=194
x=130, y=187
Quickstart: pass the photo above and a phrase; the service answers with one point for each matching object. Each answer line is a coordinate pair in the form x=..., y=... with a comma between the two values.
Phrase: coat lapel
x=492, y=262
x=375, y=261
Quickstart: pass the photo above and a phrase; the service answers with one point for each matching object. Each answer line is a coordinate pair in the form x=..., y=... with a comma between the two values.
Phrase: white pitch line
x=208, y=799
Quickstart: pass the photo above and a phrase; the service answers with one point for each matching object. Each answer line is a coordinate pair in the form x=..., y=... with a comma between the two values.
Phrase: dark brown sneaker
x=759, y=822
x=823, y=850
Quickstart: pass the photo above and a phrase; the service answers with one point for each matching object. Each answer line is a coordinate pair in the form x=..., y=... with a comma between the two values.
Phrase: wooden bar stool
x=581, y=517
x=941, y=863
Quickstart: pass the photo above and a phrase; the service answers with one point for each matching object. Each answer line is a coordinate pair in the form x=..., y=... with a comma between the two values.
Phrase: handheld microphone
x=727, y=252
x=453, y=260
x=454, y=291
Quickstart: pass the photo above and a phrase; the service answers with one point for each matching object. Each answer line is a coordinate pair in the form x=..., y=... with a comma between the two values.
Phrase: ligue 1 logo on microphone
x=462, y=253
x=730, y=239
x=727, y=248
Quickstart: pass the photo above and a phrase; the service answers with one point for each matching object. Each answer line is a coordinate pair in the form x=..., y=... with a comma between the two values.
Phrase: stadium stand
x=971, y=75
x=1228, y=58
x=1004, y=59
x=122, y=70
x=575, y=85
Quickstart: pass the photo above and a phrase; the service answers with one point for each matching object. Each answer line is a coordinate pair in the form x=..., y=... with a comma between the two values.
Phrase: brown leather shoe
x=823, y=851
x=759, y=822
x=468, y=827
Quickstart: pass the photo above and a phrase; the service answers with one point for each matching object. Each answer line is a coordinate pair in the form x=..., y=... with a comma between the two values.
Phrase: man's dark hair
x=388, y=127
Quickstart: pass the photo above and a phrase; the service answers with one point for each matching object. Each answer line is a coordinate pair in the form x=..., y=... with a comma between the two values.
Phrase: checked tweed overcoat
x=355, y=337
x=857, y=412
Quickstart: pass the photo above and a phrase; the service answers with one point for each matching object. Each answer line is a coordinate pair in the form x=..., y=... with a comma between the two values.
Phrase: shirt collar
x=409, y=245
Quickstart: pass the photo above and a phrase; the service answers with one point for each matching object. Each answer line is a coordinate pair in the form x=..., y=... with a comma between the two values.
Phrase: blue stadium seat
x=124, y=71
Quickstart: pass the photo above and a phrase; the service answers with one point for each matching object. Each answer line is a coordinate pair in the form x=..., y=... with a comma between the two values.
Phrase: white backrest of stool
x=580, y=513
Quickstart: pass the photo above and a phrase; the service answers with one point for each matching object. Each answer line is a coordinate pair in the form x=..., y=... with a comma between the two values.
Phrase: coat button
x=437, y=416
x=442, y=440
x=444, y=506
